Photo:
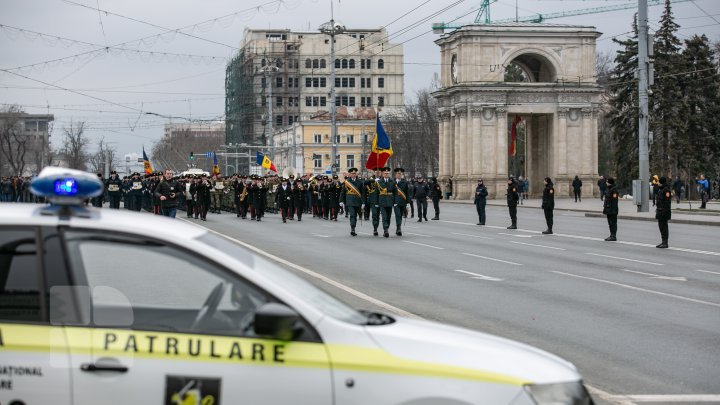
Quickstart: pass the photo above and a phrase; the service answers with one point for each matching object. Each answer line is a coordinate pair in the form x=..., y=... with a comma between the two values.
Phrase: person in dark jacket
x=548, y=204
x=283, y=197
x=168, y=191
x=420, y=194
x=677, y=188
x=602, y=186
x=481, y=194
x=577, y=188
x=113, y=185
x=298, y=193
x=512, y=201
x=610, y=208
x=663, y=211
x=436, y=196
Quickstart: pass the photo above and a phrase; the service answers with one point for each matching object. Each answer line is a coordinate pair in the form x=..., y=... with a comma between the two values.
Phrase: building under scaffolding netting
x=241, y=111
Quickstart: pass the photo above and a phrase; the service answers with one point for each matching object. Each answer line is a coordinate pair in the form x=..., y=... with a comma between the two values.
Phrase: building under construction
x=284, y=76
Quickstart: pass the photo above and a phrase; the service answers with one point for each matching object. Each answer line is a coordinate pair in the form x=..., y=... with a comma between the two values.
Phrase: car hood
x=483, y=356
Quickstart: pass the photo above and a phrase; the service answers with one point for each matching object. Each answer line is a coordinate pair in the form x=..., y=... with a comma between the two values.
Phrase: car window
x=147, y=285
x=19, y=275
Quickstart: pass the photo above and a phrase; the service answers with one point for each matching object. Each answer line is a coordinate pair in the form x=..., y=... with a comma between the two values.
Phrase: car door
x=172, y=326
x=34, y=362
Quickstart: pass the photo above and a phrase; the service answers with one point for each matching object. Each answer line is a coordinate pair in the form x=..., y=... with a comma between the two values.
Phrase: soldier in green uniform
x=372, y=200
x=401, y=199
x=352, y=198
x=386, y=199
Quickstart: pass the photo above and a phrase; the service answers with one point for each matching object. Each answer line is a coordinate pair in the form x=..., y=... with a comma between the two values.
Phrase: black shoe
x=258, y=219
x=611, y=238
x=547, y=232
x=352, y=233
x=512, y=227
x=284, y=221
x=375, y=233
x=419, y=220
x=299, y=219
x=398, y=233
x=386, y=234
x=434, y=219
x=481, y=223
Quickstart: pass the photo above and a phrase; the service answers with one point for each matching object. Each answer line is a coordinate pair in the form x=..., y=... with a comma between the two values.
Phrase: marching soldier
x=335, y=190
x=548, y=205
x=251, y=187
x=372, y=200
x=216, y=194
x=512, y=201
x=240, y=195
x=401, y=199
x=610, y=208
x=203, y=197
x=259, y=198
x=315, y=198
x=113, y=185
x=283, y=198
x=663, y=211
x=136, y=192
x=387, y=189
x=298, y=198
x=352, y=197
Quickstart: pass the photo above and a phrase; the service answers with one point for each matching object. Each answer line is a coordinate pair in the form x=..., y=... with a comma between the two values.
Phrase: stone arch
x=540, y=66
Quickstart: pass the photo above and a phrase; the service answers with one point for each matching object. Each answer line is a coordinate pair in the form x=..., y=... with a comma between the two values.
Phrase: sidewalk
x=683, y=213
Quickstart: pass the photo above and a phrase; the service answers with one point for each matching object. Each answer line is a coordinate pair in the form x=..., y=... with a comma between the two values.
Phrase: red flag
x=381, y=149
x=513, y=134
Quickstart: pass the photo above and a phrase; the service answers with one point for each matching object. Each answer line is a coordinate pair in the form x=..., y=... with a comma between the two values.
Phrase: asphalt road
x=636, y=320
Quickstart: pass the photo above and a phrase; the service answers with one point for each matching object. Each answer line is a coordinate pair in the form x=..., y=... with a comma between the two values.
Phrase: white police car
x=111, y=307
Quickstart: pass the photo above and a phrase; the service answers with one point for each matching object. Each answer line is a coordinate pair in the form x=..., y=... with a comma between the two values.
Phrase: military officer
x=113, y=185
x=352, y=197
x=481, y=194
x=216, y=194
x=548, y=204
x=512, y=201
x=422, y=190
x=387, y=189
x=436, y=196
x=334, y=193
x=136, y=192
x=401, y=199
x=663, y=211
x=283, y=198
x=298, y=198
x=610, y=208
x=372, y=199
x=259, y=198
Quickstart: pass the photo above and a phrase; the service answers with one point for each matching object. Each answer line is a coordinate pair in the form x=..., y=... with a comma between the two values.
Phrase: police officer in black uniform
x=548, y=204
x=113, y=185
x=436, y=196
x=512, y=201
x=610, y=208
x=663, y=211
x=481, y=194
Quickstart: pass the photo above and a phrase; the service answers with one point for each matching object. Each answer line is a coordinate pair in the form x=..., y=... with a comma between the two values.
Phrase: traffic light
x=192, y=156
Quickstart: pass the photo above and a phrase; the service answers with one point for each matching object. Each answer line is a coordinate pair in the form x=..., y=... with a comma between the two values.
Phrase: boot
x=434, y=219
x=352, y=232
x=548, y=231
x=512, y=227
x=386, y=234
x=663, y=245
x=375, y=232
x=611, y=238
x=419, y=219
x=398, y=232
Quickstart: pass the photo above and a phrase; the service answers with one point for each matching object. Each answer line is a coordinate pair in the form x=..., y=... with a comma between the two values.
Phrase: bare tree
x=75, y=144
x=105, y=154
x=173, y=150
x=14, y=144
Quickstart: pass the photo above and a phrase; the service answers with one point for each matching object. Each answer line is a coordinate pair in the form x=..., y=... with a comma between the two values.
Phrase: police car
x=113, y=307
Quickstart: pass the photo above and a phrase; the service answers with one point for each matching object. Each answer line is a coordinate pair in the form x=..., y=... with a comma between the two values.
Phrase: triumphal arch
x=534, y=83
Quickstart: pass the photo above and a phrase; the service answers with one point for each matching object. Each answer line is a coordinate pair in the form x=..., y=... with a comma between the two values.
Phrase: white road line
x=515, y=235
x=656, y=275
x=472, y=236
x=708, y=271
x=422, y=244
x=320, y=236
x=490, y=258
x=318, y=276
x=479, y=276
x=542, y=246
x=673, y=398
x=418, y=234
x=680, y=297
x=608, y=397
x=623, y=258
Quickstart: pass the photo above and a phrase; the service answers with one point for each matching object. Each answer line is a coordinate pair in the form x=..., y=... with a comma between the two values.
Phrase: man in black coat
x=610, y=208
x=481, y=194
x=512, y=201
x=168, y=191
x=436, y=196
x=548, y=204
x=577, y=188
x=663, y=211
x=283, y=198
x=113, y=185
x=420, y=194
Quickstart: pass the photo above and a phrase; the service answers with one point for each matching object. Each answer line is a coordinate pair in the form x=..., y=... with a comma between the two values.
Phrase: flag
x=146, y=163
x=381, y=148
x=216, y=168
x=513, y=134
x=265, y=162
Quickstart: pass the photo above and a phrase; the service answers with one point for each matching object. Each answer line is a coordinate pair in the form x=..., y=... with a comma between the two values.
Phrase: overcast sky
x=181, y=74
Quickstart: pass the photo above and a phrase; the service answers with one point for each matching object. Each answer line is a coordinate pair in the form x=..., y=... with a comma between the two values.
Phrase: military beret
x=352, y=170
x=335, y=176
x=399, y=170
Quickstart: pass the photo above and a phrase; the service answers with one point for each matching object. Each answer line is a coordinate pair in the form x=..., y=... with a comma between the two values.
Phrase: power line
x=705, y=12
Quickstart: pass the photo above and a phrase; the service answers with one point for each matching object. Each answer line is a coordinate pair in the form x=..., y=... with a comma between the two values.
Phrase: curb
x=675, y=221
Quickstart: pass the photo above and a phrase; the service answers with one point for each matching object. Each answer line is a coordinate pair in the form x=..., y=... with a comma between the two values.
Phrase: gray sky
x=182, y=74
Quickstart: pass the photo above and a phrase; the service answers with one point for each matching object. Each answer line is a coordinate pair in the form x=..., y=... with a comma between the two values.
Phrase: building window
x=365, y=101
x=316, y=101
x=381, y=64
x=351, y=64
x=322, y=64
x=323, y=101
x=337, y=139
x=263, y=63
x=381, y=82
x=337, y=82
x=316, y=82
x=279, y=120
x=323, y=82
x=381, y=101
x=278, y=101
x=350, y=161
x=308, y=82
x=351, y=102
x=308, y=101
x=278, y=82
x=315, y=63
x=344, y=82
x=42, y=126
x=263, y=82
x=365, y=64
x=351, y=82
x=344, y=64
x=290, y=119
x=350, y=139
x=337, y=63
x=317, y=138
x=264, y=101
x=317, y=161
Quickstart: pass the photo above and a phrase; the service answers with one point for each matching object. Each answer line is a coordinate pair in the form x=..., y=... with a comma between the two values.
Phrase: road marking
x=515, y=235
x=622, y=258
x=657, y=276
x=542, y=246
x=472, y=236
x=320, y=236
x=418, y=234
x=422, y=244
x=490, y=258
x=316, y=275
x=479, y=276
x=673, y=398
x=680, y=297
x=608, y=397
x=708, y=271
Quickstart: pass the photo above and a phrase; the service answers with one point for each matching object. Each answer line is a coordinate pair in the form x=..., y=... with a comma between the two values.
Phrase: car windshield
x=319, y=299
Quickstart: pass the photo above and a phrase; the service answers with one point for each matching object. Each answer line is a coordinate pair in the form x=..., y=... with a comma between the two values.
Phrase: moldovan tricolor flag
x=216, y=168
x=146, y=163
x=513, y=134
x=265, y=162
x=381, y=148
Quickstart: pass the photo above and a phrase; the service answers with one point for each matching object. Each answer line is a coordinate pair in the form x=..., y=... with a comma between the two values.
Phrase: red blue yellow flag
x=381, y=148
x=216, y=168
x=146, y=163
x=265, y=162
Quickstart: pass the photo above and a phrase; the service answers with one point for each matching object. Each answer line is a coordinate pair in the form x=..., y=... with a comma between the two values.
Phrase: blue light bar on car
x=63, y=186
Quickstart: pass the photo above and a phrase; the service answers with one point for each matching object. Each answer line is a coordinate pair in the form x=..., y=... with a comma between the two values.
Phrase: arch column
x=501, y=168
x=586, y=141
x=444, y=155
x=561, y=144
x=476, y=136
x=462, y=151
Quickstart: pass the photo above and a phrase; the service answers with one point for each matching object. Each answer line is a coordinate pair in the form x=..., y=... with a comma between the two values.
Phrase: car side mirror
x=276, y=320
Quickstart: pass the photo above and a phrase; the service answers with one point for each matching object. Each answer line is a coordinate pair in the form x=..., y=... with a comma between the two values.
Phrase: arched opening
x=530, y=67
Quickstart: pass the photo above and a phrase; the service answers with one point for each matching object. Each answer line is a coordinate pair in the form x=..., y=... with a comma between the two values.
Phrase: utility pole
x=268, y=69
x=331, y=29
x=643, y=68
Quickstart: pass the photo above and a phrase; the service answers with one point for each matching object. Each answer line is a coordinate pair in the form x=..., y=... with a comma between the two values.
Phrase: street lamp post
x=332, y=29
